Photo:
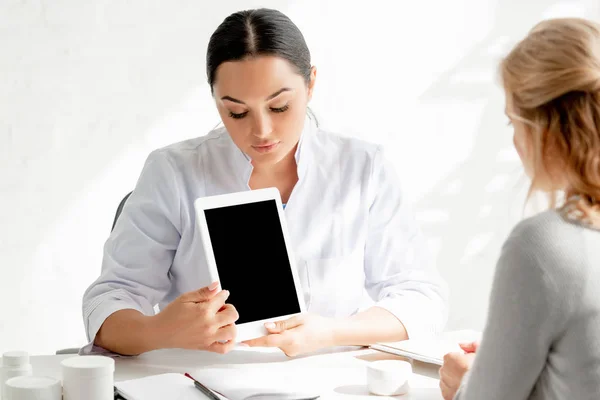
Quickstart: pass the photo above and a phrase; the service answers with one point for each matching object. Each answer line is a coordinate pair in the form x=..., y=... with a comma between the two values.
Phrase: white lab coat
x=351, y=231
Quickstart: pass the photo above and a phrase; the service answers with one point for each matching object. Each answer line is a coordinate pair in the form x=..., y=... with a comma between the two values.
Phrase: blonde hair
x=553, y=78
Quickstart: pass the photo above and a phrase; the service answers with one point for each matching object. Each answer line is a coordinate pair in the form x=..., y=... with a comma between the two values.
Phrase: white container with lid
x=14, y=363
x=389, y=377
x=88, y=378
x=33, y=388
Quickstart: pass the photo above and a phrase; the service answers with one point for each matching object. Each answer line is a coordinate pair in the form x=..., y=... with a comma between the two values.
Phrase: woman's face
x=262, y=102
x=546, y=180
x=521, y=139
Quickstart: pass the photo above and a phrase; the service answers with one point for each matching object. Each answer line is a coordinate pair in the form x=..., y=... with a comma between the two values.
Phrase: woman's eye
x=280, y=109
x=238, y=116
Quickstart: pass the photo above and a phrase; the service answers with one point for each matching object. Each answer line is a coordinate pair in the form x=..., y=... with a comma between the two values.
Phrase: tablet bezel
x=254, y=329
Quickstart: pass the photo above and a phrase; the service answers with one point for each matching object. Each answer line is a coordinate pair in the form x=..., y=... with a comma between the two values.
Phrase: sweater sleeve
x=525, y=315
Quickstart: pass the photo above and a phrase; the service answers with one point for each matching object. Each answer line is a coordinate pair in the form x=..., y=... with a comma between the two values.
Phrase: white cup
x=388, y=377
x=33, y=388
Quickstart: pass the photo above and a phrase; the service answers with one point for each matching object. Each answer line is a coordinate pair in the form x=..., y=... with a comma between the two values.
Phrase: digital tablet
x=248, y=251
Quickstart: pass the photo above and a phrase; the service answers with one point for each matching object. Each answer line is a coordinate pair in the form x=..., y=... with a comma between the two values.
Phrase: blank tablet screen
x=252, y=260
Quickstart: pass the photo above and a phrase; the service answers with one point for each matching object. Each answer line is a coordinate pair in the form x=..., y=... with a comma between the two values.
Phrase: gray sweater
x=542, y=336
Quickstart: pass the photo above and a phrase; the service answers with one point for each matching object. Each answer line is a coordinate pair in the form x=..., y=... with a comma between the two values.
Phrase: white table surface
x=346, y=366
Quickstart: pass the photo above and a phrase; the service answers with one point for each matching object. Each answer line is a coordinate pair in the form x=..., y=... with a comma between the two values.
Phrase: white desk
x=347, y=365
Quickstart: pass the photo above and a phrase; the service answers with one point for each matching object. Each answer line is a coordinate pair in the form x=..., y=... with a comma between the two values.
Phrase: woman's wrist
x=366, y=328
x=154, y=335
x=129, y=332
x=340, y=331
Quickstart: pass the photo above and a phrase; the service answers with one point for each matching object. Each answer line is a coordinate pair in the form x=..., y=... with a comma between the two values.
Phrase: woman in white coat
x=349, y=224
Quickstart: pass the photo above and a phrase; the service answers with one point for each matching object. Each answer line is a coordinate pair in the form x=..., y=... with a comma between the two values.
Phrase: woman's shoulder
x=548, y=228
x=186, y=152
x=343, y=141
x=555, y=245
x=347, y=147
x=193, y=145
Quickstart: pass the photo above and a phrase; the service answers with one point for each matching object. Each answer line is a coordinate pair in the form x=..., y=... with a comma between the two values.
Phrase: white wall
x=87, y=89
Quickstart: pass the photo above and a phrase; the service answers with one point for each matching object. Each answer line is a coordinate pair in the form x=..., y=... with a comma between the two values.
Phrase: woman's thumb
x=204, y=294
x=280, y=326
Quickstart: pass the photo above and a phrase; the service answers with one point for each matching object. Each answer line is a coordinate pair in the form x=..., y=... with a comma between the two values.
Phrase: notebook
x=172, y=386
x=274, y=381
x=431, y=350
x=237, y=383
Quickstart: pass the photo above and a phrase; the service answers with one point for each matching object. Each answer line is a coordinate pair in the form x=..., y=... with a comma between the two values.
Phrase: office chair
x=75, y=350
x=119, y=209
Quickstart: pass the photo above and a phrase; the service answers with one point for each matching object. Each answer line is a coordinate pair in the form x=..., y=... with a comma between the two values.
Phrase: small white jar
x=14, y=364
x=33, y=388
x=389, y=377
x=88, y=378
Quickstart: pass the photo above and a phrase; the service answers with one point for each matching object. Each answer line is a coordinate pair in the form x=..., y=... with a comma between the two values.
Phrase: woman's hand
x=300, y=334
x=454, y=368
x=198, y=320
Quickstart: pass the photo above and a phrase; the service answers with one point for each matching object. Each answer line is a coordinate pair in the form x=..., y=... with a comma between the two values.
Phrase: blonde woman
x=542, y=337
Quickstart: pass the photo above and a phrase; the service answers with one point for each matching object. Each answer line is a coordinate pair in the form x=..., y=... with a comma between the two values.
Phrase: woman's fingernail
x=270, y=325
x=213, y=286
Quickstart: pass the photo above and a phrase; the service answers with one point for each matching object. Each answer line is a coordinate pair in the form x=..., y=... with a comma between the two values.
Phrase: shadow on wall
x=469, y=214
x=106, y=81
x=88, y=85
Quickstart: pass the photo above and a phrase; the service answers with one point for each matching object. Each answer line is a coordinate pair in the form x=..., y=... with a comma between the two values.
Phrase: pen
x=207, y=392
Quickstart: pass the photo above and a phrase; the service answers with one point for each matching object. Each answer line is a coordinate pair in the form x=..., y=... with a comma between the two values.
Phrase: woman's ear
x=311, y=83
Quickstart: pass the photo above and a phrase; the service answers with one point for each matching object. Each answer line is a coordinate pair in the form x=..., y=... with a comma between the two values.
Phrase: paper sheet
x=284, y=378
x=430, y=350
x=171, y=386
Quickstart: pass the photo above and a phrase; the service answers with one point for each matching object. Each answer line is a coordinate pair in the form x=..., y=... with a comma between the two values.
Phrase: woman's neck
x=282, y=169
x=282, y=175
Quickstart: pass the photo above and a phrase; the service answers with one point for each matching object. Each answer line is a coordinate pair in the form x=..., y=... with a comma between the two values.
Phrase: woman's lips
x=265, y=148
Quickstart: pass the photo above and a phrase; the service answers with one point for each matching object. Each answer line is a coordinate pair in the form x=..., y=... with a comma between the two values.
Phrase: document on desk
x=173, y=386
x=247, y=382
x=431, y=350
x=276, y=381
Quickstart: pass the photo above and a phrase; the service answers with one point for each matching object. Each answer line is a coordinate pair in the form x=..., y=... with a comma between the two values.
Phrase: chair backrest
x=119, y=209
x=75, y=350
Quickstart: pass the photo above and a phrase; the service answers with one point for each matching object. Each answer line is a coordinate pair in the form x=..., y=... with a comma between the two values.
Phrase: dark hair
x=254, y=33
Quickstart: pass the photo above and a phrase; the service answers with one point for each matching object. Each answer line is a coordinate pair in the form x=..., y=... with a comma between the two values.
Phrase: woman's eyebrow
x=277, y=93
